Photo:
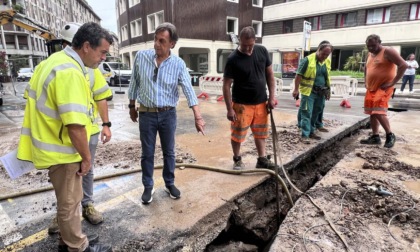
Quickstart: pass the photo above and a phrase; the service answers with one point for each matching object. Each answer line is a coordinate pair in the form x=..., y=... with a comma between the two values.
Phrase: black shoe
x=92, y=238
x=146, y=198
x=237, y=163
x=314, y=136
x=98, y=248
x=174, y=193
x=265, y=162
x=373, y=139
x=390, y=140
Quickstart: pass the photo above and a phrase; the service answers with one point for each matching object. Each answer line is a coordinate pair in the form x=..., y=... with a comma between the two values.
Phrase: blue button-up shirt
x=164, y=91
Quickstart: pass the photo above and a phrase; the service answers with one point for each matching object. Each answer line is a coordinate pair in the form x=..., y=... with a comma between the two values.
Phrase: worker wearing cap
x=101, y=92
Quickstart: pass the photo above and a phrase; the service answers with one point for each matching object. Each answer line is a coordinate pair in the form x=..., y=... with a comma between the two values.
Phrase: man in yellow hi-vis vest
x=57, y=126
x=101, y=92
x=313, y=82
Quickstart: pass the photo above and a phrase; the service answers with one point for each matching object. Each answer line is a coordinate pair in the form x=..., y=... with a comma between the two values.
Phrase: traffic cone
x=345, y=103
x=203, y=95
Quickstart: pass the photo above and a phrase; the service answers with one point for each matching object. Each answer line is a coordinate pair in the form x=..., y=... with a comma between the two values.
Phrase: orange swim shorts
x=254, y=116
x=376, y=102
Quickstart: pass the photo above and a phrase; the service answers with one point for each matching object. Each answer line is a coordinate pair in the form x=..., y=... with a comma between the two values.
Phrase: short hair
x=93, y=33
x=325, y=43
x=247, y=32
x=373, y=37
x=170, y=28
x=408, y=57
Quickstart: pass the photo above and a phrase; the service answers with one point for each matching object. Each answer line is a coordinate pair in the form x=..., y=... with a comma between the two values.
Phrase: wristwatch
x=108, y=124
x=130, y=106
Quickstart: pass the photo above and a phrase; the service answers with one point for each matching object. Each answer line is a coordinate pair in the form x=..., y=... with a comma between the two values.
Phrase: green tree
x=17, y=62
x=356, y=62
x=18, y=8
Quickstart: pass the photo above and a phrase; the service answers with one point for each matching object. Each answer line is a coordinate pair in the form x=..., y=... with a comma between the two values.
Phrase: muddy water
x=413, y=185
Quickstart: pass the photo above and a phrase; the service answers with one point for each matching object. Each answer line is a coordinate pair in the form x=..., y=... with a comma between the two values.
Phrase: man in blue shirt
x=154, y=84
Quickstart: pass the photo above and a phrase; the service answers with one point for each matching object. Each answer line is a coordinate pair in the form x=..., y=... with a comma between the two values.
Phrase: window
x=154, y=20
x=122, y=6
x=235, y=1
x=346, y=19
x=131, y=3
x=124, y=33
x=378, y=16
x=257, y=27
x=315, y=23
x=136, y=28
x=222, y=55
x=257, y=3
x=232, y=25
x=288, y=26
x=414, y=11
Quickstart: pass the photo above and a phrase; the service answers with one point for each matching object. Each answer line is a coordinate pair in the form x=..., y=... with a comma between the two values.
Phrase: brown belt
x=142, y=108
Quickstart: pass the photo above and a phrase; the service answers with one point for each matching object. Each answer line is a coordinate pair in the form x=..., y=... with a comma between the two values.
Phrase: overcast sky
x=105, y=9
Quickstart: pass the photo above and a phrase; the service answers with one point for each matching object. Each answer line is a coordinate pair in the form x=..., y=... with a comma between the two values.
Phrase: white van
x=115, y=72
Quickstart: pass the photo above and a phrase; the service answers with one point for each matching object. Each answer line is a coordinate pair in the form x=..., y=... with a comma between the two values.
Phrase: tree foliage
x=3, y=64
x=356, y=62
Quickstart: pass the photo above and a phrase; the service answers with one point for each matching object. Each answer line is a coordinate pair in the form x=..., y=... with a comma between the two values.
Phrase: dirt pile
x=366, y=219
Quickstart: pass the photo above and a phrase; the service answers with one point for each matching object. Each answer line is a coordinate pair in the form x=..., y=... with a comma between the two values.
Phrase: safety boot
x=265, y=162
x=373, y=139
x=237, y=163
x=91, y=214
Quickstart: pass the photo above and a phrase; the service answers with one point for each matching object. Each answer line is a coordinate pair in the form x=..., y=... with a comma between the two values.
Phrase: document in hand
x=15, y=167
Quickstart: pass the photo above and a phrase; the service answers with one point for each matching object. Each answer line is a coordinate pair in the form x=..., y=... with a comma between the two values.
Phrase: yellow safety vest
x=308, y=78
x=100, y=91
x=58, y=95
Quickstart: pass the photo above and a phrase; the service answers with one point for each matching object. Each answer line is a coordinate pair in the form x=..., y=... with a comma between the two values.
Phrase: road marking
x=27, y=241
x=20, y=245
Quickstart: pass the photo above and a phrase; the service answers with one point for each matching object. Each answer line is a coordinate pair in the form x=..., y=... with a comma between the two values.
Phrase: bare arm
x=227, y=83
x=395, y=58
x=364, y=70
x=133, y=112
x=295, y=93
x=271, y=86
x=199, y=121
x=103, y=113
x=77, y=134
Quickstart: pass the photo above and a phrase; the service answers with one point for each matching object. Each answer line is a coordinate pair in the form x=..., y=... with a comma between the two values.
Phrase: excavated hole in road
x=252, y=226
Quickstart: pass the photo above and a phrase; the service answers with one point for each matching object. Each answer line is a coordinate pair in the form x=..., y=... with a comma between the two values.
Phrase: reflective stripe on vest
x=40, y=103
x=46, y=146
x=308, y=78
x=91, y=78
x=101, y=90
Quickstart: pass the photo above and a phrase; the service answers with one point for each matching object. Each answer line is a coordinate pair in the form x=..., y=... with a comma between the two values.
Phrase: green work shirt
x=321, y=72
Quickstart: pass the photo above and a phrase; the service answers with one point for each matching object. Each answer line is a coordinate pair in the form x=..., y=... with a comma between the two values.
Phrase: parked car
x=25, y=74
x=114, y=72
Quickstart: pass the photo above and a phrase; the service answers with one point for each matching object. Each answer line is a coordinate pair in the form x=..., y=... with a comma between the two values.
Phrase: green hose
x=202, y=167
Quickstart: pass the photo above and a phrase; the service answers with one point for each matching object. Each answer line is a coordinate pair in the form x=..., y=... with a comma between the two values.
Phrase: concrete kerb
x=325, y=144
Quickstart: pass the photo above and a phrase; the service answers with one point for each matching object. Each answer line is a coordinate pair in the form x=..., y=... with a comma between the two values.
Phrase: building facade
x=50, y=14
x=204, y=28
x=345, y=23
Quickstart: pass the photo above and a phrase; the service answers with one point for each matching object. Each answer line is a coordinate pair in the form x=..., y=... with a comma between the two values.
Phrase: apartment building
x=50, y=14
x=114, y=48
x=345, y=23
x=205, y=28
